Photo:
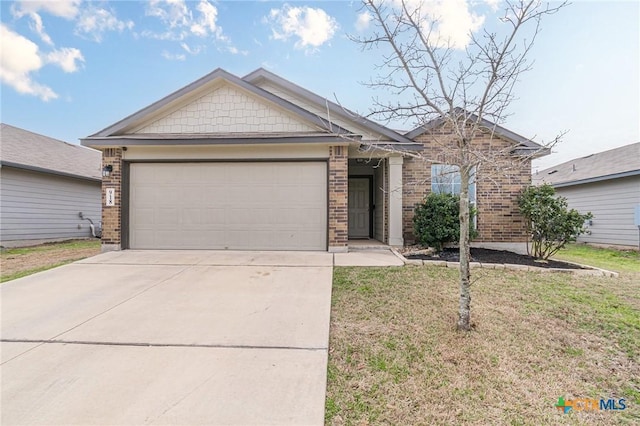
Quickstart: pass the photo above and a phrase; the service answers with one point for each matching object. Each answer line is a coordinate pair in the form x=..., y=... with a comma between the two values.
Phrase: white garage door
x=241, y=206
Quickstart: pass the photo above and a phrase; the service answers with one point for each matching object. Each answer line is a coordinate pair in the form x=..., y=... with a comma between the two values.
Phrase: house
x=494, y=190
x=260, y=163
x=44, y=184
x=608, y=185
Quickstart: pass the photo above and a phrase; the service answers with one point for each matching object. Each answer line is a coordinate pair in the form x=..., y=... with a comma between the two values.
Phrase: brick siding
x=498, y=217
x=338, y=196
x=111, y=232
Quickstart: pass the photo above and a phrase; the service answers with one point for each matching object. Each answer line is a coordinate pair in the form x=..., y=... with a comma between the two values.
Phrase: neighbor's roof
x=525, y=146
x=27, y=150
x=611, y=164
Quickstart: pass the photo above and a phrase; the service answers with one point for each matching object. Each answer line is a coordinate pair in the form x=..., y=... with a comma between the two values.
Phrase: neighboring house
x=608, y=185
x=261, y=163
x=44, y=185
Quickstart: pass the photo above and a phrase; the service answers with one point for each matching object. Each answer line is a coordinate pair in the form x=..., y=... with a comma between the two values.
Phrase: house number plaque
x=110, y=199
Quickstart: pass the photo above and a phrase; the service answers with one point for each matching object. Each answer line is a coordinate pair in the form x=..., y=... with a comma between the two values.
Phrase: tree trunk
x=464, y=313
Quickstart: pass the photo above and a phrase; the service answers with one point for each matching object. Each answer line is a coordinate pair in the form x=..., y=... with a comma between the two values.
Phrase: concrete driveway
x=169, y=337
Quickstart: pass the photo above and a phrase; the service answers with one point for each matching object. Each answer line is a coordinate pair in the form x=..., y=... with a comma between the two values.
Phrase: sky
x=69, y=68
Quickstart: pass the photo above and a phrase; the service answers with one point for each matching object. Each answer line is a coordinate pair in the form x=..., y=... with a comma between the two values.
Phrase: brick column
x=111, y=215
x=338, y=198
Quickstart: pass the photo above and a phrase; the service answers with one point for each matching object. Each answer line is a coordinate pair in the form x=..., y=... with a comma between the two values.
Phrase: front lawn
x=607, y=258
x=20, y=262
x=395, y=357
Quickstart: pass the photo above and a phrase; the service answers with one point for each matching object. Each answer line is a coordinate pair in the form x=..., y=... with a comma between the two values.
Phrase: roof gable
x=177, y=105
x=309, y=100
x=525, y=145
x=227, y=109
x=24, y=149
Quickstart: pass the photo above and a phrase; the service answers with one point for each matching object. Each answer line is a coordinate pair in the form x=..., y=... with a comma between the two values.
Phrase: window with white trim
x=445, y=179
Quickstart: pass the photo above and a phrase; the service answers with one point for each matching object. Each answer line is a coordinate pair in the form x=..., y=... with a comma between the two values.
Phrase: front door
x=359, y=204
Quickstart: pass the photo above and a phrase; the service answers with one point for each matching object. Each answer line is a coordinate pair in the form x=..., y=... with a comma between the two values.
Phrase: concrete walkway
x=170, y=337
x=373, y=257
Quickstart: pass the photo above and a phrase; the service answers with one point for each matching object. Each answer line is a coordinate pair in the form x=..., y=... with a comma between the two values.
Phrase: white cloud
x=494, y=4
x=19, y=57
x=174, y=13
x=30, y=8
x=94, y=22
x=312, y=27
x=190, y=50
x=235, y=51
x=183, y=22
x=38, y=27
x=91, y=21
x=66, y=58
x=206, y=24
x=363, y=21
x=454, y=21
x=173, y=56
x=167, y=35
x=67, y=9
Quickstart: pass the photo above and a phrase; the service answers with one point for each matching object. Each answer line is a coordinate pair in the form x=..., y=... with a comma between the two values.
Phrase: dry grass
x=395, y=357
x=20, y=262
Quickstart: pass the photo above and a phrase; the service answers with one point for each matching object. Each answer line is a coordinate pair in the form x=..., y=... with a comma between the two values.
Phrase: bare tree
x=462, y=88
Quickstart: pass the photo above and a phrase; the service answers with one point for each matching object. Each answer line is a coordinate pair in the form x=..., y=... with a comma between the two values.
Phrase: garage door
x=241, y=206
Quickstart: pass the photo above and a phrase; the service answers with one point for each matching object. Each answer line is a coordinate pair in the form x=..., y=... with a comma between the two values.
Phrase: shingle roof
x=617, y=162
x=525, y=146
x=334, y=108
x=25, y=149
x=118, y=132
x=218, y=73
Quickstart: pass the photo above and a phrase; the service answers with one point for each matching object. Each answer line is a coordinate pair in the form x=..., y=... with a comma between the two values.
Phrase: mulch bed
x=494, y=256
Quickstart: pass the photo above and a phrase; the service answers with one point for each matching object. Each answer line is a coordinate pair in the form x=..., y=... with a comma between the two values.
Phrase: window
x=445, y=179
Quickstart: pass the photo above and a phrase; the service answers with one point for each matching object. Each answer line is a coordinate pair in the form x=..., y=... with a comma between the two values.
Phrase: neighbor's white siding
x=227, y=110
x=612, y=203
x=41, y=206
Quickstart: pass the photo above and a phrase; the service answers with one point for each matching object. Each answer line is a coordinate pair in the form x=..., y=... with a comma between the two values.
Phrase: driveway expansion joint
x=162, y=345
x=221, y=265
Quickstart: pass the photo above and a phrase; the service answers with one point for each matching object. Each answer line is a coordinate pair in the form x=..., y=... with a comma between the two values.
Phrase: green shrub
x=550, y=223
x=436, y=220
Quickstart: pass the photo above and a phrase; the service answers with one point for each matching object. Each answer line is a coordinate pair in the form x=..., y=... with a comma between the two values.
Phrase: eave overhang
x=184, y=140
x=391, y=147
x=596, y=179
x=47, y=171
